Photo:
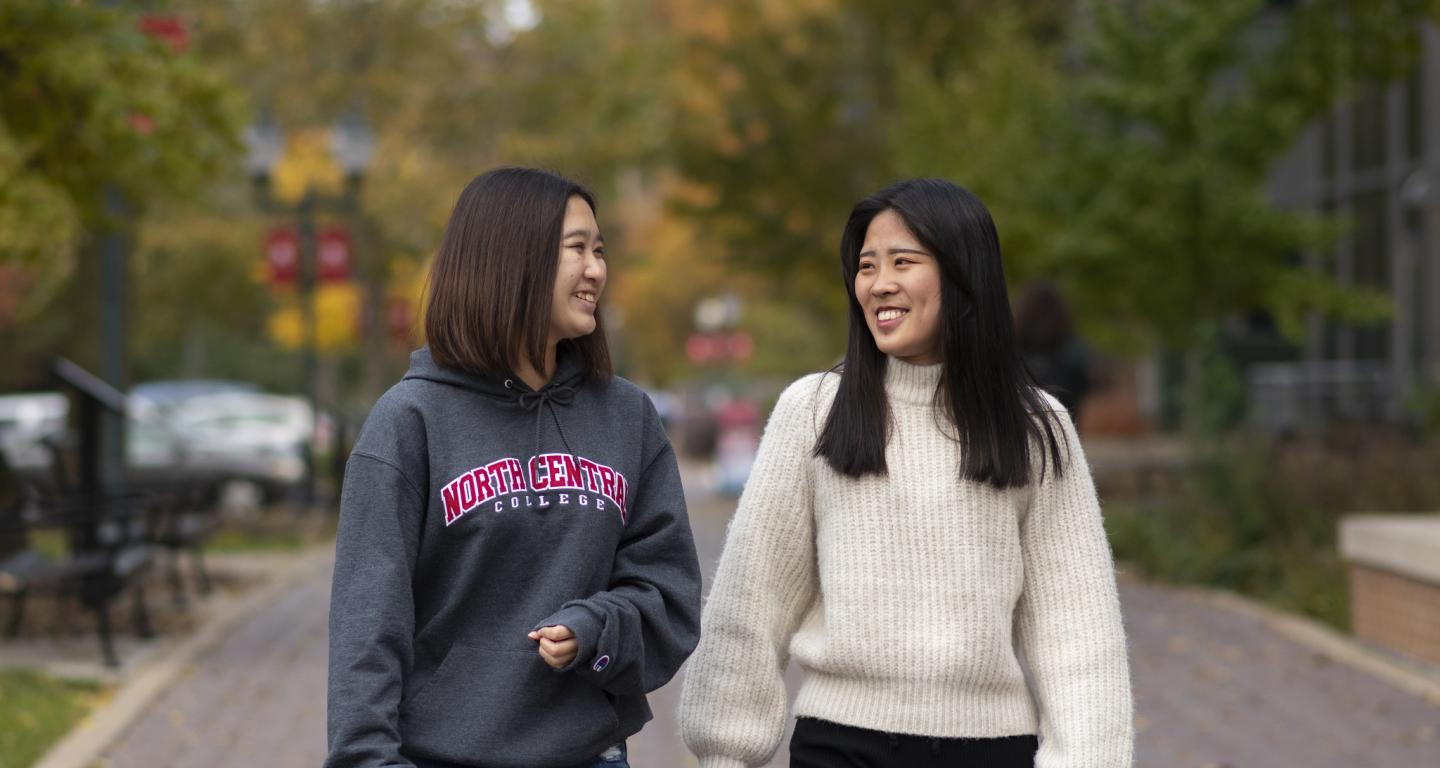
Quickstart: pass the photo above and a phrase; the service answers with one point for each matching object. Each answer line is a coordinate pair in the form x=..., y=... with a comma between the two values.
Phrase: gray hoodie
x=475, y=510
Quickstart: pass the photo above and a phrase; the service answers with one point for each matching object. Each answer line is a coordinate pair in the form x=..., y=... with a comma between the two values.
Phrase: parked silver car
x=226, y=431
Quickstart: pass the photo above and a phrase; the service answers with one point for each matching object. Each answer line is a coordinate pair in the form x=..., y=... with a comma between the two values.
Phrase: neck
x=537, y=377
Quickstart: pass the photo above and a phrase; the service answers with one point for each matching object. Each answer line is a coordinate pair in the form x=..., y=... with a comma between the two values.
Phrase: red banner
x=168, y=30
x=334, y=262
x=282, y=254
x=736, y=347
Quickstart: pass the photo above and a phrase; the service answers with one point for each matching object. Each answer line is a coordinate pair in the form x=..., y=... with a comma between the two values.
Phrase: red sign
x=719, y=347
x=334, y=266
x=142, y=123
x=739, y=347
x=282, y=254
x=167, y=29
x=700, y=348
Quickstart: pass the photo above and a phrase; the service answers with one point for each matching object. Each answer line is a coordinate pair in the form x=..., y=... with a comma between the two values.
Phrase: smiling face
x=897, y=283
x=580, y=275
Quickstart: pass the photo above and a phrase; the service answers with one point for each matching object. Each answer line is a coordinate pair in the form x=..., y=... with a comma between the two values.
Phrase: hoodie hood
x=511, y=388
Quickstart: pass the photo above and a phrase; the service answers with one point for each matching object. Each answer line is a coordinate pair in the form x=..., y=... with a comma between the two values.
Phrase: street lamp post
x=351, y=144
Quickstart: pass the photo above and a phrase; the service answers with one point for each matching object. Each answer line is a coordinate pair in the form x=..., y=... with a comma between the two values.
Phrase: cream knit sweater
x=910, y=599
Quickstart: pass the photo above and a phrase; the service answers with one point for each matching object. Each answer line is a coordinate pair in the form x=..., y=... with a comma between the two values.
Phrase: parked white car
x=247, y=436
x=226, y=431
x=25, y=421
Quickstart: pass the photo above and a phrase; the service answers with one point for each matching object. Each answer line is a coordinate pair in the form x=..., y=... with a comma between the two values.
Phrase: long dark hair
x=493, y=281
x=985, y=394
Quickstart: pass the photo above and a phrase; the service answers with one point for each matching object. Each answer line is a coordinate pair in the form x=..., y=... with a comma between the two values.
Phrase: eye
x=599, y=253
x=866, y=266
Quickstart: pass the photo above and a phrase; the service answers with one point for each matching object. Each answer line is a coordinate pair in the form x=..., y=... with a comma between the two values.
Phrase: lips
x=889, y=317
x=588, y=297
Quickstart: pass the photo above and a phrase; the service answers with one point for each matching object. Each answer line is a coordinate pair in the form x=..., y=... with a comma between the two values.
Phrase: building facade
x=1376, y=164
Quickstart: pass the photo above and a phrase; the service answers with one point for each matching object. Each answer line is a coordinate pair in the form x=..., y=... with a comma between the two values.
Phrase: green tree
x=1132, y=163
x=791, y=112
x=449, y=92
x=999, y=126
x=89, y=101
x=90, y=108
x=1182, y=109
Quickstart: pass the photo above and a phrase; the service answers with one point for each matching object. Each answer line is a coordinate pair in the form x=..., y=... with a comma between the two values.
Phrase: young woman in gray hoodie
x=514, y=566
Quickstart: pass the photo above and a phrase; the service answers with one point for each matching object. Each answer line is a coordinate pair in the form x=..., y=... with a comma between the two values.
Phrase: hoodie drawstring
x=548, y=396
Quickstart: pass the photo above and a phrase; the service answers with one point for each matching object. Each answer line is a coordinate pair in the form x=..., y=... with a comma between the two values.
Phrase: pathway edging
x=1413, y=677
x=86, y=741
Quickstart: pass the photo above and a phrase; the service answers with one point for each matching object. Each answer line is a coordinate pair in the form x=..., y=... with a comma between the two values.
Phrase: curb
x=1413, y=677
x=85, y=743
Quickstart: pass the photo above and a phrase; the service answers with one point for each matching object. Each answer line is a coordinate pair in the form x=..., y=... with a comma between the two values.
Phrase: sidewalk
x=1215, y=684
x=257, y=697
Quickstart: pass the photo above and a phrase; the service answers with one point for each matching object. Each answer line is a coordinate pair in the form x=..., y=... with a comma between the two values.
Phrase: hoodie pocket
x=506, y=703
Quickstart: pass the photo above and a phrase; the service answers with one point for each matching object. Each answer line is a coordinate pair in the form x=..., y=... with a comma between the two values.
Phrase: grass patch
x=50, y=543
x=275, y=532
x=240, y=540
x=36, y=711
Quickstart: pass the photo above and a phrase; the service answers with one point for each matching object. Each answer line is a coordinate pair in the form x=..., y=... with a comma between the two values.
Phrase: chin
x=892, y=349
x=907, y=354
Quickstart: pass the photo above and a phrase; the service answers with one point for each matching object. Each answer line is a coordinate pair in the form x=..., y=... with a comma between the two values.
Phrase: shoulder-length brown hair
x=493, y=280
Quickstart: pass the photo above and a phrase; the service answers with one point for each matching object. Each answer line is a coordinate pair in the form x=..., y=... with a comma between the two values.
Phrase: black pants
x=823, y=744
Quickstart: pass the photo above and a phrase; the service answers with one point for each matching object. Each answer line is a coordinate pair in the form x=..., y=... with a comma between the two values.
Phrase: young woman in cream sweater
x=919, y=523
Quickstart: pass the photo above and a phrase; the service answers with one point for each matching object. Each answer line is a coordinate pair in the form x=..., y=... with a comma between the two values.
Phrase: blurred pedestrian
x=1055, y=357
x=514, y=567
x=917, y=521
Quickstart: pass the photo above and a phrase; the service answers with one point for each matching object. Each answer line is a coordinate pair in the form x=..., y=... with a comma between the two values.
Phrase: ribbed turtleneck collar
x=912, y=384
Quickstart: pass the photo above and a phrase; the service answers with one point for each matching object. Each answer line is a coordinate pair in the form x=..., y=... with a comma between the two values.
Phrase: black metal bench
x=178, y=502
x=106, y=529
x=182, y=516
x=106, y=554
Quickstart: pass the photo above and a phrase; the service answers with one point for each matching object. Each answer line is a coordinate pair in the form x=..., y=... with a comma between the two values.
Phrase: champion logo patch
x=601, y=663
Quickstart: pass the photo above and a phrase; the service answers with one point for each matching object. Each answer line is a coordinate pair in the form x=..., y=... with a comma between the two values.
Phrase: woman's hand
x=558, y=645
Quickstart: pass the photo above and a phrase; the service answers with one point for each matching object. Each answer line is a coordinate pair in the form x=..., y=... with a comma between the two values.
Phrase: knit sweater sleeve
x=732, y=709
x=1068, y=621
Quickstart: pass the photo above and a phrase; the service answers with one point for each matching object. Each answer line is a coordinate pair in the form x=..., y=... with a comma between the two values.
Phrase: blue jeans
x=613, y=757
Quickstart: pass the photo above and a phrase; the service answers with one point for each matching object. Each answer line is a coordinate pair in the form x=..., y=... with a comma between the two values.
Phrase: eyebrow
x=893, y=251
x=583, y=233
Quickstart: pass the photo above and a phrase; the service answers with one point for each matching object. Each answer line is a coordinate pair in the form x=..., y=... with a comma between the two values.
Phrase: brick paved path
x=1214, y=689
x=257, y=698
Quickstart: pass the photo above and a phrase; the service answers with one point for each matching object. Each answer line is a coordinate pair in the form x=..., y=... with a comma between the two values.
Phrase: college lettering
x=546, y=472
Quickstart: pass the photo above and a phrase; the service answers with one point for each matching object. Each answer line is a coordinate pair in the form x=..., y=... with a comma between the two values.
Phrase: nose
x=594, y=268
x=884, y=284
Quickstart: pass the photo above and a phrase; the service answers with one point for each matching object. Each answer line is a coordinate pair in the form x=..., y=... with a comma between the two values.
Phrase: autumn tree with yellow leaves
x=726, y=143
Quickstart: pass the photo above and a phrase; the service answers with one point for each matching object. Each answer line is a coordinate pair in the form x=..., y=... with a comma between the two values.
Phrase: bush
x=1260, y=517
